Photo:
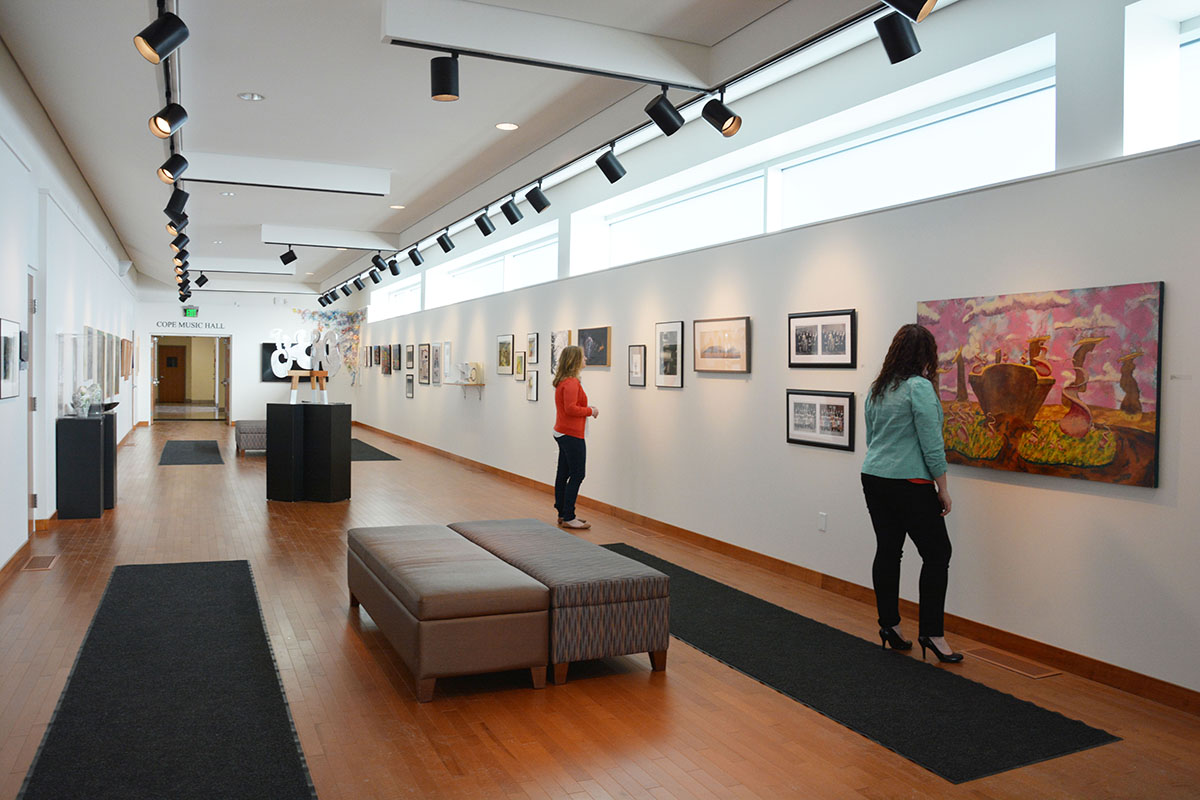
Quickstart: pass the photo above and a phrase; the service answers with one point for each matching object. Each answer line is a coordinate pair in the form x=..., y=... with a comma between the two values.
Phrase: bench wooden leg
x=353, y=601
x=539, y=676
x=560, y=672
x=425, y=689
x=658, y=660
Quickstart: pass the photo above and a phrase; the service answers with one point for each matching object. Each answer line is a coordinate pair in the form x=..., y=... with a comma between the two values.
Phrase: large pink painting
x=1057, y=383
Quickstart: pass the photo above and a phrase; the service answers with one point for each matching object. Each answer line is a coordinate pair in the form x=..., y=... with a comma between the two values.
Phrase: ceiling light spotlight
x=181, y=277
x=324, y=301
x=185, y=286
x=374, y=276
x=379, y=263
x=507, y=126
x=345, y=290
x=167, y=121
x=485, y=224
x=443, y=78
x=898, y=37
x=414, y=255
x=181, y=258
x=175, y=226
x=160, y=38
x=393, y=266
x=511, y=212
x=664, y=114
x=288, y=257
x=252, y=97
x=176, y=204
x=397, y=207
x=180, y=269
x=172, y=168
x=537, y=198
x=609, y=165
x=444, y=241
x=180, y=242
x=203, y=279
x=916, y=10
x=721, y=116
x=358, y=283
x=184, y=296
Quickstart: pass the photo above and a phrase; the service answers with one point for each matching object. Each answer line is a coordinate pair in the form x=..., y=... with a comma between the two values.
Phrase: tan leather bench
x=448, y=606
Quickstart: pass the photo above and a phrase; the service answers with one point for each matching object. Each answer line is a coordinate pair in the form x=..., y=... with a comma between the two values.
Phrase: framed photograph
x=504, y=354
x=10, y=340
x=595, y=344
x=822, y=419
x=668, y=355
x=519, y=365
x=385, y=367
x=823, y=339
x=435, y=368
x=377, y=355
x=423, y=364
x=531, y=386
x=531, y=348
x=408, y=356
x=721, y=345
x=637, y=365
x=558, y=340
x=408, y=385
x=396, y=351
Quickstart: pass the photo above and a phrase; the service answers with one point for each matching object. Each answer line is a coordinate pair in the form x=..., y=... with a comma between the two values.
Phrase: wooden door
x=172, y=373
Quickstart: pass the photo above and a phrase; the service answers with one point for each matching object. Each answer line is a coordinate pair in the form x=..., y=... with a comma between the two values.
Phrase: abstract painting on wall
x=1059, y=383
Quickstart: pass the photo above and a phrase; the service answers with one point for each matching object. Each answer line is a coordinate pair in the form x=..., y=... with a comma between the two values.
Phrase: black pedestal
x=79, y=466
x=110, y=458
x=308, y=452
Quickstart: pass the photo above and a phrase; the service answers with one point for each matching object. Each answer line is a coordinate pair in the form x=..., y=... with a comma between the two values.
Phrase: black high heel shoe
x=945, y=658
x=898, y=642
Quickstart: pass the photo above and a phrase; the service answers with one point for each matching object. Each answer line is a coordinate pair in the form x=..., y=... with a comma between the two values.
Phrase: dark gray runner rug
x=190, y=451
x=174, y=694
x=361, y=451
x=952, y=726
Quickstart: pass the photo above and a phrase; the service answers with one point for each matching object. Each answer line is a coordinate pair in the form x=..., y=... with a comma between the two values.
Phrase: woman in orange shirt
x=570, y=425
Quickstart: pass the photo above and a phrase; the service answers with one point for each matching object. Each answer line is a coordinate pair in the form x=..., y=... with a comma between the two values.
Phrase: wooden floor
x=616, y=729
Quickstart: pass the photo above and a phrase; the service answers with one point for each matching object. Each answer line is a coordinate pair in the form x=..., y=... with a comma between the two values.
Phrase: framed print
x=396, y=351
x=435, y=368
x=385, y=366
x=531, y=348
x=558, y=340
x=519, y=365
x=408, y=385
x=447, y=362
x=408, y=356
x=423, y=364
x=668, y=355
x=823, y=339
x=377, y=354
x=531, y=386
x=504, y=354
x=595, y=344
x=822, y=419
x=637, y=365
x=721, y=345
x=10, y=337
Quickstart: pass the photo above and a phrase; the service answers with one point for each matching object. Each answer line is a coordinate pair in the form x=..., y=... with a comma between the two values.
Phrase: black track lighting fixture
x=445, y=242
x=181, y=277
x=345, y=290
x=414, y=255
x=664, y=114
x=181, y=258
x=185, y=285
x=393, y=265
x=176, y=204
x=374, y=276
x=443, y=78
x=166, y=122
x=172, y=168
x=511, y=212
x=324, y=301
x=358, y=283
x=175, y=226
x=180, y=242
x=898, y=37
x=203, y=279
x=160, y=38
x=184, y=296
x=379, y=263
x=537, y=198
x=288, y=257
x=608, y=164
x=485, y=224
x=916, y=10
x=721, y=116
x=180, y=269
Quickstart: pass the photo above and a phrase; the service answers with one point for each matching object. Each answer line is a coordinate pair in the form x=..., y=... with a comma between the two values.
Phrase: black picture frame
x=823, y=339
x=408, y=385
x=504, y=354
x=637, y=351
x=820, y=424
x=408, y=356
x=668, y=354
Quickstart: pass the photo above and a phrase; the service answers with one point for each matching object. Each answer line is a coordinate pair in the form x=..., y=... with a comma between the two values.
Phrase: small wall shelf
x=466, y=386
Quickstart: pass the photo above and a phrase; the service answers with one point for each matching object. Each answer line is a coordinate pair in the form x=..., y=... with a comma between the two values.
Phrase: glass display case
x=79, y=394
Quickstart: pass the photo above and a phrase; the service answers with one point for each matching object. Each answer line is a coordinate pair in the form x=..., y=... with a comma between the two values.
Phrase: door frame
x=228, y=371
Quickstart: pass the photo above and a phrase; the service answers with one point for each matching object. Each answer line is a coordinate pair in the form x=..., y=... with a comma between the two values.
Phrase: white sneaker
x=575, y=524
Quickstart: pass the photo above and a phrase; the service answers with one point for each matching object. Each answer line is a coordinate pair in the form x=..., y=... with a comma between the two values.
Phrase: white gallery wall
x=1102, y=570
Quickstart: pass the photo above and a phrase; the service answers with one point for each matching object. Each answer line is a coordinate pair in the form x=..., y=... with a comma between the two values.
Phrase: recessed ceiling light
x=226, y=194
x=217, y=241
x=507, y=126
x=342, y=249
x=308, y=273
x=398, y=208
x=253, y=97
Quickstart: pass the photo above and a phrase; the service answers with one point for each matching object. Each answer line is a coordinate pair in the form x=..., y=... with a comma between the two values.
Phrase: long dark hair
x=913, y=352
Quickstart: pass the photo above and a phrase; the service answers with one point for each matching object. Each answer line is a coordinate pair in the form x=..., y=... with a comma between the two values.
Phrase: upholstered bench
x=250, y=434
x=448, y=606
x=601, y=603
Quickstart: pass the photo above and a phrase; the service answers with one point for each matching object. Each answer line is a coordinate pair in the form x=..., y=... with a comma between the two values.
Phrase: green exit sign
x=191, y=311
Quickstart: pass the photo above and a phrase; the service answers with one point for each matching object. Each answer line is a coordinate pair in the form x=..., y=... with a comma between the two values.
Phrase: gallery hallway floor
x=616, y=729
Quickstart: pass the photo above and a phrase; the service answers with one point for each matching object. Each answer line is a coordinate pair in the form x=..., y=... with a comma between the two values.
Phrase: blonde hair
x=570, y=362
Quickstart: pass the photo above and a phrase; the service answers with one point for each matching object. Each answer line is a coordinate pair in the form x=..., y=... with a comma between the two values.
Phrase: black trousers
x=900, y=507
x=572, y=463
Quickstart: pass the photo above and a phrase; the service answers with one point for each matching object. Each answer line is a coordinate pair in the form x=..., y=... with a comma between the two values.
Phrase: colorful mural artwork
x=1059, y=383
x=346, y=324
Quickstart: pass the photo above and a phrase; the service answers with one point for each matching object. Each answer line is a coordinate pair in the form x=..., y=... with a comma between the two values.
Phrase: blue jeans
x=572, y=460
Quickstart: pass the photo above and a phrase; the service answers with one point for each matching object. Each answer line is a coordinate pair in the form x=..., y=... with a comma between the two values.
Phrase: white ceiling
x=335, y=94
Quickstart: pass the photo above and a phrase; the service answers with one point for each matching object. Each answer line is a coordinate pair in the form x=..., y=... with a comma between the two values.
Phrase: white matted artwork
x=504, y=354
x=519, y=365
x=821, y=419
x=531, y=348
x=408, y=385
x=435, y=360
x=668, y=355
x=531, y=386
x=823, y=339
x=10, y=381
x=447, y=362
x=637, y=365
x=721, y=345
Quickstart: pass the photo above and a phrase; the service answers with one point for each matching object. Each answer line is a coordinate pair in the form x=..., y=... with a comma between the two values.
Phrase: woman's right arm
x=571, y=406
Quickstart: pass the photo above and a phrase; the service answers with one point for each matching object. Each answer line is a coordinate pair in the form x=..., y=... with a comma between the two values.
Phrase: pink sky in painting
x=1127, y=315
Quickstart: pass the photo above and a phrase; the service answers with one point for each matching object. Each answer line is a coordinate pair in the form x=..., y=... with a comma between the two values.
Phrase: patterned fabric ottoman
x=250, y=434
x=601, y=603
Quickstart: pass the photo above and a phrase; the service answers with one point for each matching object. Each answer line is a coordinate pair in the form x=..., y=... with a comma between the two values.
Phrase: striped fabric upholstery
x=250, y=434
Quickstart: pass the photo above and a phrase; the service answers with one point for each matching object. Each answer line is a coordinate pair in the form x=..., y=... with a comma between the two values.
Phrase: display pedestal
x=110, y=458
x=79, y=466
x=308, y=452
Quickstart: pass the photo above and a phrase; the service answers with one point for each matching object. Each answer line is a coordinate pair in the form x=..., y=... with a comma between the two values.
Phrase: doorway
x=191, y=377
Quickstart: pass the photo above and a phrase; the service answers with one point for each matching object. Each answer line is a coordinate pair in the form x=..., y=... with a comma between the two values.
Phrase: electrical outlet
x=822, y=521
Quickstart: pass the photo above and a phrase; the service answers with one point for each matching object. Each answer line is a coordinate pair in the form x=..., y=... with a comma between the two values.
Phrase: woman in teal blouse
x=904, y=481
